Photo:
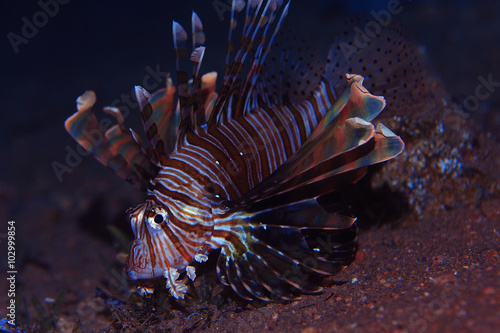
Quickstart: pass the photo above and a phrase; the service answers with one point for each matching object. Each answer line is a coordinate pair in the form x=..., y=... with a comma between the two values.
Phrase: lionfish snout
x=137, y=261
x=145, y=259
x=156, y=252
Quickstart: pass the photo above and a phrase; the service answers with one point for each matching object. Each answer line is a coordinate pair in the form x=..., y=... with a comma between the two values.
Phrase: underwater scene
x=250, y=165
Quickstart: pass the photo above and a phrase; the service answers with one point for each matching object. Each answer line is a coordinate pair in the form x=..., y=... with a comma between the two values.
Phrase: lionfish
x=255, y=170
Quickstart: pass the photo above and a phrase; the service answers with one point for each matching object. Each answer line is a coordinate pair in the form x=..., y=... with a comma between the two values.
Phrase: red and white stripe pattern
x=209, y=168
x=250, y=170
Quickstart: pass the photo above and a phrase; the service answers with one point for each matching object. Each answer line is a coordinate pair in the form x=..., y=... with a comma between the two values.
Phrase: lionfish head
x=149, y=253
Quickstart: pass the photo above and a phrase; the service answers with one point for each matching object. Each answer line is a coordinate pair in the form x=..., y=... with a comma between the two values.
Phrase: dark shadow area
x=97, y=219
x=372, y=207
x=376, y=207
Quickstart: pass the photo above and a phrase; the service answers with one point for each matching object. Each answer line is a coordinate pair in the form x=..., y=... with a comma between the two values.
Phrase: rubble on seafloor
x=447, y=161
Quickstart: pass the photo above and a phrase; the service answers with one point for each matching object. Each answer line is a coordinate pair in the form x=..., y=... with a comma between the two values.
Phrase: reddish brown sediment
x=434, y=269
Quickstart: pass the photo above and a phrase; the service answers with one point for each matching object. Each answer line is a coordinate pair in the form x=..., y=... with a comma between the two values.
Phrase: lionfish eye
x=158, y=218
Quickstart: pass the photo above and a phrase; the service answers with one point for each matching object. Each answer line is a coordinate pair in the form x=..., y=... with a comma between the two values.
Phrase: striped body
x=255, y=170
x=222, y=165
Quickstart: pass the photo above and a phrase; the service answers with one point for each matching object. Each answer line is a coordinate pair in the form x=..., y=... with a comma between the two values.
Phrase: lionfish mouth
x=136, y=273
x=138, y=266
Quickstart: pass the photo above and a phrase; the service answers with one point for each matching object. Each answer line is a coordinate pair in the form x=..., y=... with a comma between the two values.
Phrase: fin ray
x=116, y=149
